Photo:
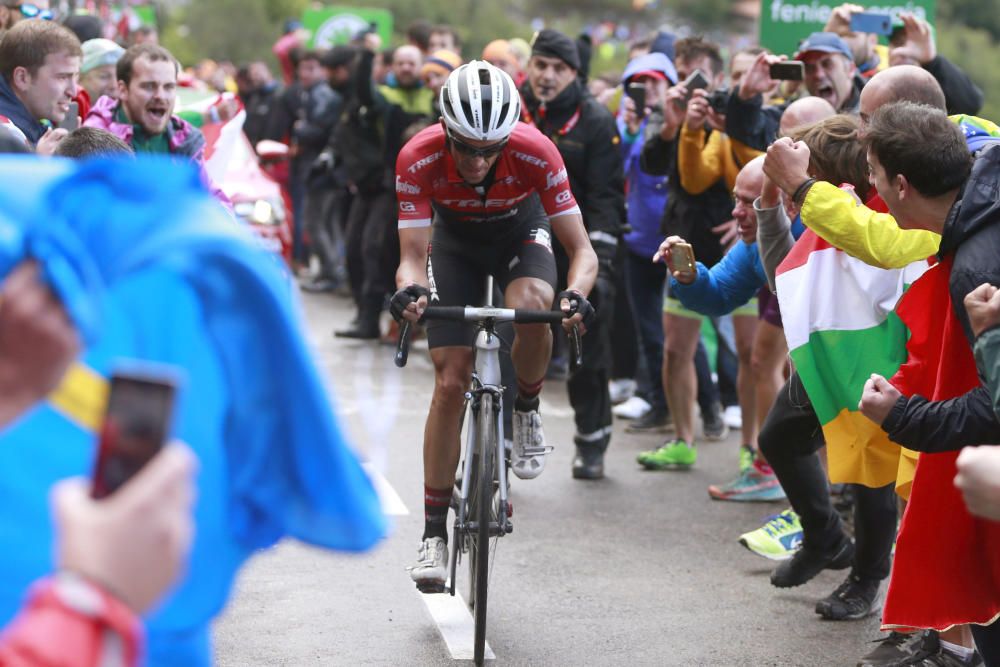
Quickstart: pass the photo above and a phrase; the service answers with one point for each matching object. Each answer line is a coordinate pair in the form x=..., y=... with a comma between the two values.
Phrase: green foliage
x=980, y=14
x=977, y=53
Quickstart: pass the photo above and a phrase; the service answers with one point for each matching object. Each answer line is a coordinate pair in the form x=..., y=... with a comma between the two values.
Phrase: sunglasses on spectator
x=30, y=11
x=486, y=152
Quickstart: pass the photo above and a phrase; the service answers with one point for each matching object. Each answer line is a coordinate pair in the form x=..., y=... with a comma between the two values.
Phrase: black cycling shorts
x=457, y=267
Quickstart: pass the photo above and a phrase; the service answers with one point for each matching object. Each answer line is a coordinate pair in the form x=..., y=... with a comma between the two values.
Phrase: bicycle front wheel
x=483, y=512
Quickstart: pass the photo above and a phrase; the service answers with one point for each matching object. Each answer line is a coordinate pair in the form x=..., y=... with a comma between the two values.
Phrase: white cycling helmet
x=480, y=101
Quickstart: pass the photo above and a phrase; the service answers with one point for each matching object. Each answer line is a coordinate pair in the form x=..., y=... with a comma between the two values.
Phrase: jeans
x=789, y=439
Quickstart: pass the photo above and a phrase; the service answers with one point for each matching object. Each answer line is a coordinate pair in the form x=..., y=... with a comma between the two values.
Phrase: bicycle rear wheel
x=483, y=512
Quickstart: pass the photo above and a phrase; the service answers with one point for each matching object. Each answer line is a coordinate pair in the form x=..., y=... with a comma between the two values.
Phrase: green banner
x=339, y=25
x=785, y=23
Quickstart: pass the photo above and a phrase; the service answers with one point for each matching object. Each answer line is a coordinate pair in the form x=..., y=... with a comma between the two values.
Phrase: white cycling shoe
x=431, y=570
x=527, y=456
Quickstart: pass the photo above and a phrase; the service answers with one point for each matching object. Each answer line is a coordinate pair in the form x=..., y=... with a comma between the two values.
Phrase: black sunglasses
x=473, y=151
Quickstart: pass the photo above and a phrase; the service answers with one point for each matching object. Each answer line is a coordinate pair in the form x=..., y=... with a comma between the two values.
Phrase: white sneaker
x=621, y=390
x=527, y=456
x=633, y=408
x=431, y=569
x=733, y=417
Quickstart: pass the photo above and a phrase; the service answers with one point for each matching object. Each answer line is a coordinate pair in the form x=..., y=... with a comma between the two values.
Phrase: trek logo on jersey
x=531, y=159
x=552, y=179
x=482, y=203
x=406, y=188
x=423, y=162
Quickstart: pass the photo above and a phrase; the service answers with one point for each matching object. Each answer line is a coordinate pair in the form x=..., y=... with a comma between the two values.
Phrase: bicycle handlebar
x=470, y=314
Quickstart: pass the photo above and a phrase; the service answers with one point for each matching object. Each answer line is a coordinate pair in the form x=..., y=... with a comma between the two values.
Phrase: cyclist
x=480, y=193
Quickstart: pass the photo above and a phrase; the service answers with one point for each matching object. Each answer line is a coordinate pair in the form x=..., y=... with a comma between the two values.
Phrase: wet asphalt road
x=641, y=568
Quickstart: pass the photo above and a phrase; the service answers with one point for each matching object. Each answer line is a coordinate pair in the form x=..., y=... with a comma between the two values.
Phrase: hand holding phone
x=681, y=262
x=871, y=22
x=136, y=425
x=637, y=91
x=697, y=80
x=71, y=120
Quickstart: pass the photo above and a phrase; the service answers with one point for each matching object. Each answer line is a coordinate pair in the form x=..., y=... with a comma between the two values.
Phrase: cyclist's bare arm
x=412, y=269
x=582, y=272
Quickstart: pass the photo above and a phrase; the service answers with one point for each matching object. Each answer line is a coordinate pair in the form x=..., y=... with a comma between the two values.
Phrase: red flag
x=947, y=566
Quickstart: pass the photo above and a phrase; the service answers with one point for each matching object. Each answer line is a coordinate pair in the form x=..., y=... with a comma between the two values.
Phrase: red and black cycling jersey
x=427, y=181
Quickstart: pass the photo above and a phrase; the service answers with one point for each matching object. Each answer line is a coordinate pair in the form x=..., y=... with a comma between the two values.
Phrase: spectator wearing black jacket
x=306, y=113
x=260, y=98
x=584, y=131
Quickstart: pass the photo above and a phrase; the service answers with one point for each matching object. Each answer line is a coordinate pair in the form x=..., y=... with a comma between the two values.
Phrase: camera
x=719, y=100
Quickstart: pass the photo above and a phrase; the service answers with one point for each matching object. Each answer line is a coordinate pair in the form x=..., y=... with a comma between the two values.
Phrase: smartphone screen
x=637, y=91
x=871, y=22
x=72, y=118
x=682, y=258
x=789, y=70
x=136, y=425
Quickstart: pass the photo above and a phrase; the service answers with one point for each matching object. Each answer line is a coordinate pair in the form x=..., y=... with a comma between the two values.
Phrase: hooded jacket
x=183, y=137
x=18, y=114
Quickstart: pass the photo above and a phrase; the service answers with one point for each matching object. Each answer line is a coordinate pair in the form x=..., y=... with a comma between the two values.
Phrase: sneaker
x=633, y=408
x=527, y=456
x=674, y=455
x=713, y=427
x=752, y=485
x=747, y=457
x=431, y=570
x=621, y=390
x=733, y=416
x=896, y=648
x=778, y=539
x=807, y=563
x=855, y=598
x=654, y=421
x=930, y=653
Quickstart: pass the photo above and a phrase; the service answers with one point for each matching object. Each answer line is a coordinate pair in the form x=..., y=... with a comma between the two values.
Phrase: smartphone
x=136, y=425
x=788, y=70
x=637, y=91
x=871, y=22
x=71, y=120
x=682, y=258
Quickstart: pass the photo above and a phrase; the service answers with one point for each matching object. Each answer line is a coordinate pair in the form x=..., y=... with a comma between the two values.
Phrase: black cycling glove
x=404, y=297
x=578, y=304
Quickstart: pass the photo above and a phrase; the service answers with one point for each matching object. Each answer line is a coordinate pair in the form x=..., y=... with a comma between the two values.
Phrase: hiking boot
x=930, y=653
x=527, y=456
x=853, y=599
x=588, y=463
x=713, y=427
x=633, y=408
x=431, y=570
x=752, y=485
x=654, y=421
x=807, y=563
x=674, y=455
x=896, y=648
x=778, y=539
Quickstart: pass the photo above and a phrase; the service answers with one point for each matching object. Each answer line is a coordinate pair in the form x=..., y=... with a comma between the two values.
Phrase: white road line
x=392, y=504
x=454, y=622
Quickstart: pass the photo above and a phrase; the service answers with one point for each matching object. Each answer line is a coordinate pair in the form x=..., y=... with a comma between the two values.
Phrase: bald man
x=804, y=111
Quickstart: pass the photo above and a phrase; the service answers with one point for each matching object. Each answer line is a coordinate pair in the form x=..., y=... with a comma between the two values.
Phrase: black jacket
x=589, y=146
x=318, y=107
x=689, y=216
x=972, y=233
x=260, y=106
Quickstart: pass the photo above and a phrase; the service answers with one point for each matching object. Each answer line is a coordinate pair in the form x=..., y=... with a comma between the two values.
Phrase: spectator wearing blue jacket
x=732, y=282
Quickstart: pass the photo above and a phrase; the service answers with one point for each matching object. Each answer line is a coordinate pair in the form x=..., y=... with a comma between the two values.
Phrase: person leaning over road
x=700, y=219
x=114, y=557
x=39, y=64
x=584, y=132
x=477, y=196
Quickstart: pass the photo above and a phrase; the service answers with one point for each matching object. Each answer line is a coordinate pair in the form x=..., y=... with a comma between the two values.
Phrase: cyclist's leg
x=532, y=342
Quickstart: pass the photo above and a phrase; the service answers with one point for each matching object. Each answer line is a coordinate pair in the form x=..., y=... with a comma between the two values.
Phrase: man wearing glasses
x=12, y=11
x=481, y=194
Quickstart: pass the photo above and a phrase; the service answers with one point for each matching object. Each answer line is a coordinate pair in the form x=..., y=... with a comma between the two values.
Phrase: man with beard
x=142, y=114
x=585, y=133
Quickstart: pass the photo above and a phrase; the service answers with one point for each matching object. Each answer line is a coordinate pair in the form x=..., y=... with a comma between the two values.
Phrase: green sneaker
x=778, y=539
x=674, y=455
x=747, y=456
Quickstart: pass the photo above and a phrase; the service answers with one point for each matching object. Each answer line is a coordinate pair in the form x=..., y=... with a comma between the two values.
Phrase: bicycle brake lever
x=575, y=350
x=403, y=347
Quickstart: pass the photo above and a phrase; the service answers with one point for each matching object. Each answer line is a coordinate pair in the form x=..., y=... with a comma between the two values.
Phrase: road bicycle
x=483, y=510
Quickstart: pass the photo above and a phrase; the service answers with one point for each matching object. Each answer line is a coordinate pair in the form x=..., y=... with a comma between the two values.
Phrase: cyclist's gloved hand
x=403, y=298
x=577, y=309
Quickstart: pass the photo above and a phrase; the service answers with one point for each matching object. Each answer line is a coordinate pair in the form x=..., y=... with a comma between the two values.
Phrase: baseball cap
x=824, y=42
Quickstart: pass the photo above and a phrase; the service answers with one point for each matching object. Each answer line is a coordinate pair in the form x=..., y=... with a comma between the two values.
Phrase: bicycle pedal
x=431, y=587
